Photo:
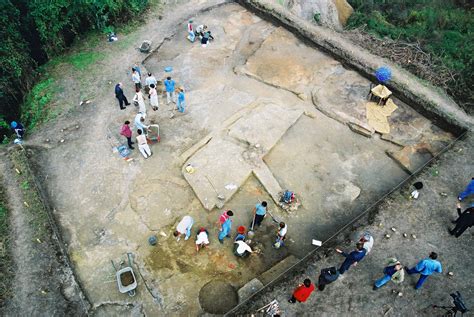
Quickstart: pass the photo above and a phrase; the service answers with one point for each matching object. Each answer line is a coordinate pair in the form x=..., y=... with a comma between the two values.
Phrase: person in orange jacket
x=302, y=292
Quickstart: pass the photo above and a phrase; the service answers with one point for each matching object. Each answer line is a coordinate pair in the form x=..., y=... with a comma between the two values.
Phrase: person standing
x=139, y=101
x=302, y=292
x=259, y=212
x=170, y=87
x=225, y=215
x=426, y=267
x=281, y=234
x=153, y=97
x=184, y=227
x=181, y=105
x=120, y=96
x=137, y=69
x=202, y=239
x=140, y=123
x=150, y=80
x=468, y=191
x=326, y=277
x=464, y=221
x=136, y=79
x=352, y=258
x=225, y=230
x=190, y=29
x=392, y=272
x=143, y=144
x=127, y=132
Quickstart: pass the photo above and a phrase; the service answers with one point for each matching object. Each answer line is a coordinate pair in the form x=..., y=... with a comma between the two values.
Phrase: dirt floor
x=107, y=207
x=429, y=219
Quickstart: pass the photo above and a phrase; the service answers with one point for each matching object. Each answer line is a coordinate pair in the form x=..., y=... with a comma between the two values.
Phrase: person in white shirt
x=368, y=240
x=281, y=233
x=202, y=239
x=184, y=227
x=136, y=78
x=150, y=80
x=143, y=144
x=242, y=249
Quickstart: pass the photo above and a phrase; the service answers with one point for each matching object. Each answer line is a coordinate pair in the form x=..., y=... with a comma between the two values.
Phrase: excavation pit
x=265, y=112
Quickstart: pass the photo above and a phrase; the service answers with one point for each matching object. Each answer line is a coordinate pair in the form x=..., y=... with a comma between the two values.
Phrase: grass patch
x=81, y=61
x=6, y=262
x=36, y=213
x=35, y=109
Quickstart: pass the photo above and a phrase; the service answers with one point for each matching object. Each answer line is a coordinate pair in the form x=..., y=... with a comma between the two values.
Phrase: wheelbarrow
x=153, y=135
x=126, y=280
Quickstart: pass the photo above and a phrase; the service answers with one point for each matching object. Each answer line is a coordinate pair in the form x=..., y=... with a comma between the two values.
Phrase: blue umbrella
x=383, y=74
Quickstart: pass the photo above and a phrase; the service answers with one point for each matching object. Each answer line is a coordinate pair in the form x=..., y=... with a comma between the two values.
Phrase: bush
x=444, y=28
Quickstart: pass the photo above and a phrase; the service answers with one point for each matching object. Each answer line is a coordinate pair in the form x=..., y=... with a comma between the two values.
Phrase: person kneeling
x=143, y=144
x=202, y=239
x=242, y=249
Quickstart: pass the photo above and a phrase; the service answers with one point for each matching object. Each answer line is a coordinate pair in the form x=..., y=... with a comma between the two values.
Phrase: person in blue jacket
x=468, y=191
x=225, y=230
x=170, y=88
x=352, y=258
x=426, y=267
x=18, y=129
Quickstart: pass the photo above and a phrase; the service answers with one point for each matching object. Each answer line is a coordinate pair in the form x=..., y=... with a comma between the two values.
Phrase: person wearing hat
x=241, y=234
x=18, y=129
x=190, y=28
x=392, y=272
x=202, y=239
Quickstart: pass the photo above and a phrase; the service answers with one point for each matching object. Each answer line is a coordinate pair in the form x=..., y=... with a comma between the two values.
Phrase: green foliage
x=6, y=262
x=35, y=31
x=443, y=28
x=317, y=17
x=83, y=60
x=35, y=109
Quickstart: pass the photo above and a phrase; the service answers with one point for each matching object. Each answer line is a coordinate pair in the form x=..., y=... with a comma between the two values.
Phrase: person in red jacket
x=302, y=292
x=126, y=132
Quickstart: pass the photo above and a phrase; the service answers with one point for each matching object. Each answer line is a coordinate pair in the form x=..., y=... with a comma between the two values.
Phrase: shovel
x=273, y=218
x=250, y=233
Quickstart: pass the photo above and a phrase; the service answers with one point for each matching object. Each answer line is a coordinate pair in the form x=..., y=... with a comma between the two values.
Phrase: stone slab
x=275, y=271
x=249, y=289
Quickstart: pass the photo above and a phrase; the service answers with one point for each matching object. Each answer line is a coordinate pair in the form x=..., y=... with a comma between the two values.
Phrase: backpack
x=288, y=197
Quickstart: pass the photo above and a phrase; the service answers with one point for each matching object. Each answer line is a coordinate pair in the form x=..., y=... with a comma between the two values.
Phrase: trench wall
x=428, y=100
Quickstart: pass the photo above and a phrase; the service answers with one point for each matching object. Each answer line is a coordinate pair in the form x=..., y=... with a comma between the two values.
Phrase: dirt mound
x=218, y=297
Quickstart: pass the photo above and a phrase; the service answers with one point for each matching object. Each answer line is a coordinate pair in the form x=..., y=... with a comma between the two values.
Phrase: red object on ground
x=241, y=229
x=302, y=292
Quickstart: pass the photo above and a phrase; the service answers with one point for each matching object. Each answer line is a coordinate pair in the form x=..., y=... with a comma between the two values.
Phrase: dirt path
x=41, y=284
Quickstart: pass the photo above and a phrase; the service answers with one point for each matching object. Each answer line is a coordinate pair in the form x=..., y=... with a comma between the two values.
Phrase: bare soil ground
x=42, y=283
x=107, y=207
x=428, y=218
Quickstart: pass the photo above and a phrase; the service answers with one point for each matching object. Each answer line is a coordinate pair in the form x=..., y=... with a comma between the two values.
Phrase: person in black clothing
x=120, y=96
x=465, y=220
x=326, y=277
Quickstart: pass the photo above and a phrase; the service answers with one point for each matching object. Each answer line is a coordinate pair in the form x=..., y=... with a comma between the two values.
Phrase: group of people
x=393, y=271
x=201, y=31
x=138, y=100
x=241, y=246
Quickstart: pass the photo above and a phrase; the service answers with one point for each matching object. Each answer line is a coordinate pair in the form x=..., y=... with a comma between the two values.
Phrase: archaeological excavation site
x=274, y=103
